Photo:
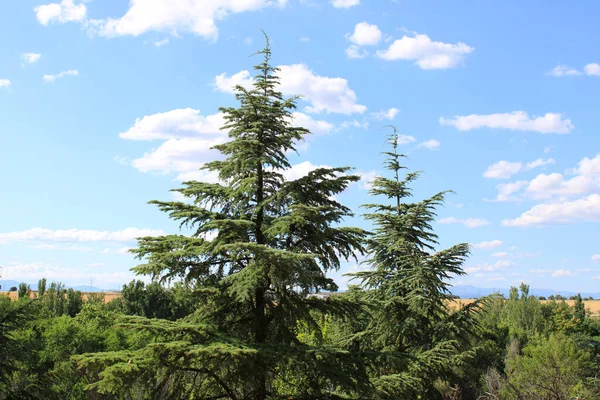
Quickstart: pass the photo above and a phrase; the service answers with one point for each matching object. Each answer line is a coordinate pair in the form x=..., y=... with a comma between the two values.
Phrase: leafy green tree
x=412, y=327
x=260, y=245
x=12, y=316
x=41, y=287
x=74, y=302
x=24, y=290
x=553, y=369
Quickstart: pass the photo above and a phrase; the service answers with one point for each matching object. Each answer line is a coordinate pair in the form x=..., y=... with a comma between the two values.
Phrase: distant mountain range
x=470, y=292
x=7, y=284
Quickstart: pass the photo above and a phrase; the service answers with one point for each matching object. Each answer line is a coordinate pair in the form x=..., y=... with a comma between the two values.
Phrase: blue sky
x=108, y=104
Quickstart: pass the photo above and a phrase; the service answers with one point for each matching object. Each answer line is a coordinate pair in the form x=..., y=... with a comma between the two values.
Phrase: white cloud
x=298, y=171
x=406, y=139
x=506, y=169
x=304, y=39
x=561, y=272
x=586, y=179
x=390, y=114
x=345, y=3
x=426, y=53
x=562, y=70
x=314, y=126
x=500, y=254
x=506, y=190
x=365, y=34
x=198, y=17
x=367, y=178
x=468, y=222
x=353, y=51
x=592, y=69
x=32, y=272
x=430, y=144
x=586, y=209
x=596, y=257
x=538, y=163
x=4, y=83
x=65, y=11
x=77, y=235
x=179, y=123
x=502, y=170
x=501, y=264
x=323, y=93
x=161, y=43
x=488, y=244
x=353, y=124
x=517, y=120
x=52, y=78
x=53, y=246
x=30, y=58
x=188, y=138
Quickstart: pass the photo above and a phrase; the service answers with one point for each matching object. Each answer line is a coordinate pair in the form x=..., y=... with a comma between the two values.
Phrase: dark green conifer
x=414, y=332
x=260, y=245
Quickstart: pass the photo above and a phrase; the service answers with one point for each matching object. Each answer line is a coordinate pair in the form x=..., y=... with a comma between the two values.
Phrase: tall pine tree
x=415, y=335
x=260, y=245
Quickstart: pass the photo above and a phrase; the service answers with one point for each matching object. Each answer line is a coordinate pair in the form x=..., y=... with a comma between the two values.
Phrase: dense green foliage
x=232, y=311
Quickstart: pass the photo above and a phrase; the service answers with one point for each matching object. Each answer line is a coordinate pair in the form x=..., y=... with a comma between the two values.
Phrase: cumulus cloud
x=502, y=170
x=468, y=222
x=332, y=95
x=345, y=3
x=353, y=51
x=585, y=179
x=517, y=120
x=561, y=272
x=506, y=191
x=30, y=58
x=51, y=78
x=365, y=34
x=596, y=257
x=586, y=209
x=485, y=267
x=54, y=246
x=426, y=53
x=390, y=114
x=77, y=235
x=488, y=244
x=65, y=11
x=538, y=163
x=563, y=70
x=592, y=69
x=198, y=17
x=430, y=144
x=505, y=169
x=4, y=83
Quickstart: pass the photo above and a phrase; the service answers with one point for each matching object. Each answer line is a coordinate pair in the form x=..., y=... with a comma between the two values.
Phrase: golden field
x=108, y=296
x=592, y=305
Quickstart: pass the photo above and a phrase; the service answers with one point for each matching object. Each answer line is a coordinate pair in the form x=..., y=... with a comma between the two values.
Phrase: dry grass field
x=108, y=296
x=592, y=305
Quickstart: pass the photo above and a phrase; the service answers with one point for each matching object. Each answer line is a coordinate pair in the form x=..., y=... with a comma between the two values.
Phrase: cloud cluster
x=592, y=69
x=4, y=83
x=198, y=17
x=426, y=53
x=467, y=222
x=51, y=78
x=345, y=3
x=516, y=120
x=324, y=94
x=77, y=235
x=488, y=244
x=30, y=58
x=505, y=169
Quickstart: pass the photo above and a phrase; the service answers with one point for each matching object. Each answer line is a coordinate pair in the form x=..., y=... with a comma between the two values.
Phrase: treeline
x=241, y=323
x=521, y=348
